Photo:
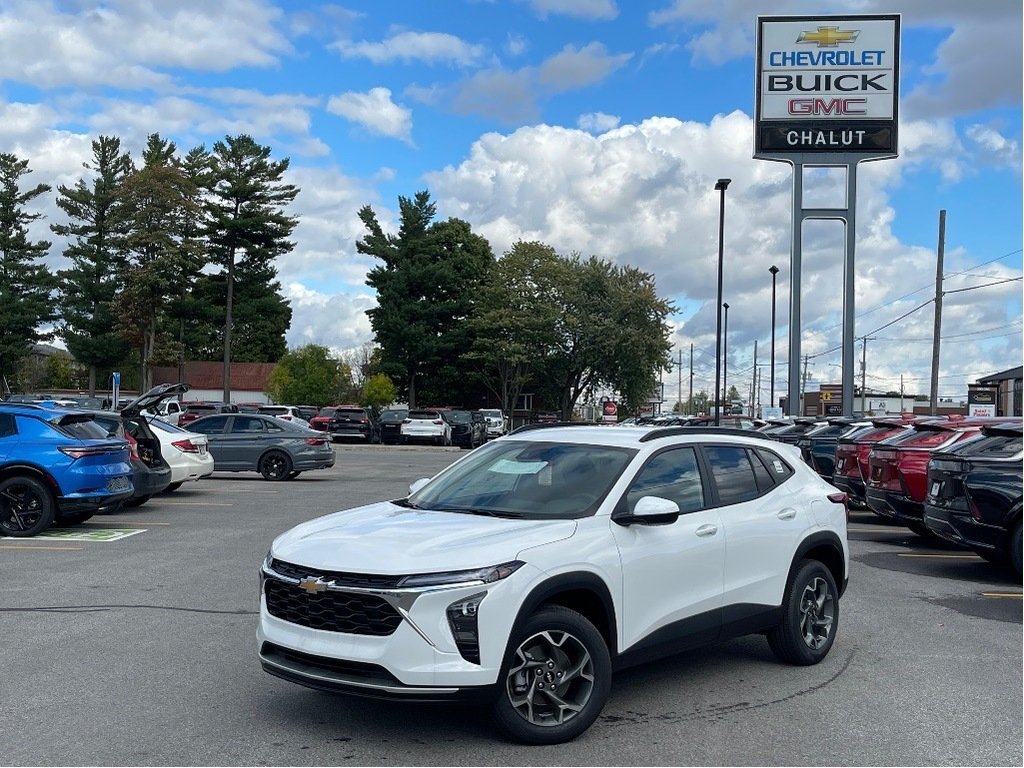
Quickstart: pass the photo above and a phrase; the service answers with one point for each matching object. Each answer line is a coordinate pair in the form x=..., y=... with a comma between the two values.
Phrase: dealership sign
x=827, y=84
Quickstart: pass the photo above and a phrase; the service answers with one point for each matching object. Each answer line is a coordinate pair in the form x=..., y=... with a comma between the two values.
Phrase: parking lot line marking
x=107, y=523
x=38, y=546
x=939, y=555
x=198, y=503
x=1002, y=594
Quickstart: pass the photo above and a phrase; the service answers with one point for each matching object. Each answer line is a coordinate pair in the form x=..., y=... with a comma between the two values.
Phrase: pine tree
x=25, y=283
x=88, y=288
x=248, y=227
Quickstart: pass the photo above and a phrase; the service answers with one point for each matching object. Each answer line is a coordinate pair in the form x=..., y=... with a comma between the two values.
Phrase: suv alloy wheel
x=555, y=680
x=810, y=616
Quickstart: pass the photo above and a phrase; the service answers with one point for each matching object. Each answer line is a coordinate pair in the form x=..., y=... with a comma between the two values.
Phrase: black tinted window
x=246, y=424
x=765, y=481
x=673, y=475
x=995, y=446
x=393, y=417
x=208, y=426
x=84, y=427
x=7, y=426
x=732, y=472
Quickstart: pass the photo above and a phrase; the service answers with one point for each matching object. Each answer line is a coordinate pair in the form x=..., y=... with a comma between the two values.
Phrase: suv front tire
x=555, y=679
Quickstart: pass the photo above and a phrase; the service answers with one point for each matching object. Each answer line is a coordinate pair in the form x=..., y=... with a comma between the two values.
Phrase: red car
x=198, y=409
x=851, y=468
x=897, y=482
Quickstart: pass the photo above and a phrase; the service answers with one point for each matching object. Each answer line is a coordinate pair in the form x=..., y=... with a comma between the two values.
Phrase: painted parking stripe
x=939, y=555
x=1002, y=594
x=79, y=534
x=106, y=523
x=39, y=546
x=196, y=504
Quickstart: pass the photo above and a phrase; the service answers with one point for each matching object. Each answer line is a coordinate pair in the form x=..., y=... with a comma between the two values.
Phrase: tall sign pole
x=827, y=96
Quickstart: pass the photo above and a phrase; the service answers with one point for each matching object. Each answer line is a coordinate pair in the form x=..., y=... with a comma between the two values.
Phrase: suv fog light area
x=462, y=618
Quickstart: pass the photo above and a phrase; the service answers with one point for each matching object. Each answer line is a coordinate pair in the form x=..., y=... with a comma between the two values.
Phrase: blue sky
x=598, y=126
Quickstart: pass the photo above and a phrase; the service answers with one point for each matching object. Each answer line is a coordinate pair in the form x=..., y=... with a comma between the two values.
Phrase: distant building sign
x=831, y=400
x=827, y=84
x=981, y=401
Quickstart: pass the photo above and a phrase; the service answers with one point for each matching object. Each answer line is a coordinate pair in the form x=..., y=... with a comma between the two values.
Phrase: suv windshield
x=459, y=417
x=535, y=480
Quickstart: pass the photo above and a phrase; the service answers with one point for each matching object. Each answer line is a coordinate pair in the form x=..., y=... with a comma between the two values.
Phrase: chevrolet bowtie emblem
x=313, y=585
x=829, y=37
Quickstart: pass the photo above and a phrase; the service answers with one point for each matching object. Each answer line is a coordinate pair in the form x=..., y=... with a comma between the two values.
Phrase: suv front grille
x=341, y=578
x=352, y=613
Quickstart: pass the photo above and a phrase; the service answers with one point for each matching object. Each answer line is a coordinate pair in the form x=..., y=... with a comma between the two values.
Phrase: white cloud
x=597, y=122
x=643, y=194
x=427, y=47
x=375, y=111
x=515, y=45
x=578, y=67
x=593, y=10
x=994, y=148
x=125, y=44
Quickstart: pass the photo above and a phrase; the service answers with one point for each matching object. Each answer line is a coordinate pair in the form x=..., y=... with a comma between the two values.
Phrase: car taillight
x=78, y=452
x=438, y=421
x=316, y=441
x=186, y=446
x=134, y=446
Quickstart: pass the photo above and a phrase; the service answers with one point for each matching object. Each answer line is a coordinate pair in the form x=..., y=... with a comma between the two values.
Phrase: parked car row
x=63, y=464
x=956, y=478
x=438, y=426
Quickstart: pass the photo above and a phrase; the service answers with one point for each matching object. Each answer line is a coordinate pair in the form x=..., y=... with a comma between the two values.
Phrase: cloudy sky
x=597, y=126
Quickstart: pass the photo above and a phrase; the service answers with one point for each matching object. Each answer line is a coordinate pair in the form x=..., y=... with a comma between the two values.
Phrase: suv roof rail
x=654, y=434
x=548, y=424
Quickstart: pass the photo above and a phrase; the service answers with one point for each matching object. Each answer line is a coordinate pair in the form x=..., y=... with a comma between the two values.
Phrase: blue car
x=57, y=465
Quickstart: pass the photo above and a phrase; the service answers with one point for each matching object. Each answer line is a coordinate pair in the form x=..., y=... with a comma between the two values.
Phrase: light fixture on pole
x=720, y=186
x=725, y=354
x=771, y=386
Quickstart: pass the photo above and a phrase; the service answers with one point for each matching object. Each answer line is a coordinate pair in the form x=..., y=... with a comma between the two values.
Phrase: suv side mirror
x=651, y=510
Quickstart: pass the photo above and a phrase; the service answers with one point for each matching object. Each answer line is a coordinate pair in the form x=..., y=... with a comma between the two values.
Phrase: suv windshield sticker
x=511, y=467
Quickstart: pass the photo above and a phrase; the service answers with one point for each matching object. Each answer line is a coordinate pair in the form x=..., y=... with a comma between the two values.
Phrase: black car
x=818, y=446
x=974, y=494
x=346, y=421
x=389, y=424
x=791, y=433
x=469, y=428
x=150, y=473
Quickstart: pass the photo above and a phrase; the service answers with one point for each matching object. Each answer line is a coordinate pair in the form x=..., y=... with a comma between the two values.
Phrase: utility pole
x=803, y=386
x=753, y=381
x=679, y=387
x=937, y=332
x=901, y=393
x=864, y=373
x=689, y=407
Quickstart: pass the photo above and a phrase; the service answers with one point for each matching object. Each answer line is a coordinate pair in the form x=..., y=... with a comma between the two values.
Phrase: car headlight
x=483, y=575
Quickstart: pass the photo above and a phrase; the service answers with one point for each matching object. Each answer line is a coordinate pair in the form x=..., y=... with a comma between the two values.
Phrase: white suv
x=527, y=571
x=497, y=424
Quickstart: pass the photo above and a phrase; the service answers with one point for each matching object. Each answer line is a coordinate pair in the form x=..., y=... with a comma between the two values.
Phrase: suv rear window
x=996, y=446
x=357, y=412
x=424, y=415
x=273, y=410
x=393, y=417
x=82, y=427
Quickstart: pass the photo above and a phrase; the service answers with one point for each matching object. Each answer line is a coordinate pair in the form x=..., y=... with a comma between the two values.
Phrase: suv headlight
x=483, y=575
x=463, y=623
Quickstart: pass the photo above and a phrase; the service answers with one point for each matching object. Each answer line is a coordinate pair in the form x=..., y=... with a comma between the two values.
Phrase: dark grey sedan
x=277, y=449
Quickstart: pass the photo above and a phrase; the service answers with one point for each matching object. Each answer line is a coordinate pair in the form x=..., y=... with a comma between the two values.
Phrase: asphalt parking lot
x=137, y=647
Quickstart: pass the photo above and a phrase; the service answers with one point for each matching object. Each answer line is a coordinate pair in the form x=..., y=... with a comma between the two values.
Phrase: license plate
x=935, y=489
x=202, y=449
x=118, y=484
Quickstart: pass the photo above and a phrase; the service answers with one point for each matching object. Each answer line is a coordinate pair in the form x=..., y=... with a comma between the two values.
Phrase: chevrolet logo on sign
x=829, y=37
x=312, y=585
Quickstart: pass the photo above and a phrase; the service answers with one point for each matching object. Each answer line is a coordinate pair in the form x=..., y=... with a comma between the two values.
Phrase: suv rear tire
x=26, y=506
x=275, y=465
x=810, y=616
x=555, y=679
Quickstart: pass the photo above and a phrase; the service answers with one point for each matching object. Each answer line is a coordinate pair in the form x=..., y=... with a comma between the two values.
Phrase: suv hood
x=148, y=401
x=385, y=538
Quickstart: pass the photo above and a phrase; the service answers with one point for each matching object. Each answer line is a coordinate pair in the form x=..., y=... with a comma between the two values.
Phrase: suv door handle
x=787, y=514
x=707, y=530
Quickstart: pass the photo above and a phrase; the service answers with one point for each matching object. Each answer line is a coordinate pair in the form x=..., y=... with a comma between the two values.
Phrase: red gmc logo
x=819, y=106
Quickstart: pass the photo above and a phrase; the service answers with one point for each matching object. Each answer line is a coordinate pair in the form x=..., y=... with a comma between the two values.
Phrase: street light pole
x=725, y=352
x=720, y=186
x=771, y=386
